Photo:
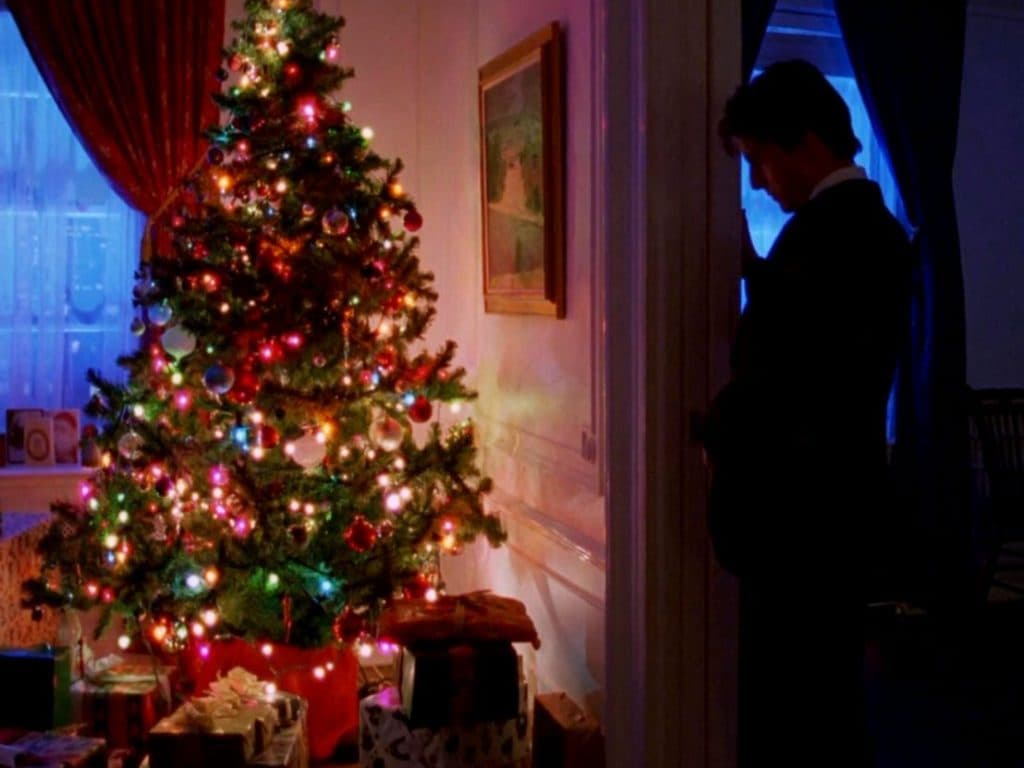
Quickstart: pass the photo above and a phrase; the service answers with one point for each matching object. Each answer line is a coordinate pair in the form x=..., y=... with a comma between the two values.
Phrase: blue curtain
x=753, y=25
x=908, y=59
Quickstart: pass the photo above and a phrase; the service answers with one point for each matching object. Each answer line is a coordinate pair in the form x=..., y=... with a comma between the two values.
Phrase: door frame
x=671, y=294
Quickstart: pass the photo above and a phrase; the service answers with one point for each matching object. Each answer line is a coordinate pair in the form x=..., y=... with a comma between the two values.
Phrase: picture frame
x=66, y=435
x=522, y=177
x=16, y=419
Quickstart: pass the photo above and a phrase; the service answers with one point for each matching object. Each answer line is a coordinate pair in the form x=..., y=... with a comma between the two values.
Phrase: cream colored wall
x=416, y=65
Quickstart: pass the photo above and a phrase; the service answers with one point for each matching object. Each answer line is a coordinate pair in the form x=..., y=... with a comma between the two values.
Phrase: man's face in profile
x=776, y=171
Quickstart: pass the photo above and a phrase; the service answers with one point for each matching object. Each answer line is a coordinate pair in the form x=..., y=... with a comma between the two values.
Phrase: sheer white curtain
x=68, y=248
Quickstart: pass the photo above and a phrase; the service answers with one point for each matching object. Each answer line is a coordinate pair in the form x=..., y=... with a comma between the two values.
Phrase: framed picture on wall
x=522, y=175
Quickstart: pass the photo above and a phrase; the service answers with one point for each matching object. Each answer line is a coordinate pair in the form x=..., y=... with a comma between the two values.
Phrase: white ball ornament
x=129, y=444
x=178, y=342
x=160, y=314
x=308, y=452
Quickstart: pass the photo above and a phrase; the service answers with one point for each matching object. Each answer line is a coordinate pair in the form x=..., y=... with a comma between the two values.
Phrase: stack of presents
x=120, y=714
x=456, y=698
x=459, y=698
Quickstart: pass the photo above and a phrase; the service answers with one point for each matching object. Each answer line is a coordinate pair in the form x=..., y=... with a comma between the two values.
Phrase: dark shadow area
x=947, y=694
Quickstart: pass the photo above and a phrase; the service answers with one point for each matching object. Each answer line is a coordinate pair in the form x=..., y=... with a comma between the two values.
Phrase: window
x=68, y=246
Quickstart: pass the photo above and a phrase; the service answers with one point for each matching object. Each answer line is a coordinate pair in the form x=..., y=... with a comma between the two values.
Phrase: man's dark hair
x=783, y=104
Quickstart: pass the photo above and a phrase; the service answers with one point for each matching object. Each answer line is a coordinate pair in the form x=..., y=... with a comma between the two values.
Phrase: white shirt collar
x=846, y=173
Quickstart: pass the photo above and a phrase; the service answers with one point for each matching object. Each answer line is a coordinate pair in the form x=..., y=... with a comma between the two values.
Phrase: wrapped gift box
x=476, y=617
x=229, y=742
x=387, y=739
x=443, y=684
x=238, y=724
x=121, y=710
x=54, y=750
x=42, y=677
x=290, y=746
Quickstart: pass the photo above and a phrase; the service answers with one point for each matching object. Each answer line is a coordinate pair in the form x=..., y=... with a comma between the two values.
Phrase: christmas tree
x=275, y=466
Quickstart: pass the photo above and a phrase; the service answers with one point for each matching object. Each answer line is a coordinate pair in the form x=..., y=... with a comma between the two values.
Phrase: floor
x=949, y=694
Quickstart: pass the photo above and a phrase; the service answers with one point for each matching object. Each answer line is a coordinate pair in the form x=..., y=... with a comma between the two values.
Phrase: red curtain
x=134, y=79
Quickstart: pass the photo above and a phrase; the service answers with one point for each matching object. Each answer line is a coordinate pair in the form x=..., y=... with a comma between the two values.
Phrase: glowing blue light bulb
x=240, y=436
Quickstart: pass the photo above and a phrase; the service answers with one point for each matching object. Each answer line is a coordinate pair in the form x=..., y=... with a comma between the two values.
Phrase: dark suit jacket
x=797, y=439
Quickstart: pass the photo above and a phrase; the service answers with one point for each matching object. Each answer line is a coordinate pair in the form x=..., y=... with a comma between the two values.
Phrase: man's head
x=793, y=128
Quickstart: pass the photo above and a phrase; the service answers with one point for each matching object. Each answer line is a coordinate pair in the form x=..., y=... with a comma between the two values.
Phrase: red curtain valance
x=134, y=79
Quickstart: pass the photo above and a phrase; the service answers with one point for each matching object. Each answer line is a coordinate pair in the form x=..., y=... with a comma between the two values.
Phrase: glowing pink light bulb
x=182, y=400
x=204, y=650
x=293, y=340
x=218, y=475
x=307, y=108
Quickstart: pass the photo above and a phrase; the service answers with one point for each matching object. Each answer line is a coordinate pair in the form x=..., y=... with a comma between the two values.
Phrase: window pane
x=68, y=246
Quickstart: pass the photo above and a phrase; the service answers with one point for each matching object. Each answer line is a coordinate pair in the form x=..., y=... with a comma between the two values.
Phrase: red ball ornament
x=413, y=221
x=247, y=384
x=416, y=587
x=348, y=625
x=267, y=437
x=421, y=409
x=360, y=535
x=164, y=485
x=235, y=62
x=386, y=357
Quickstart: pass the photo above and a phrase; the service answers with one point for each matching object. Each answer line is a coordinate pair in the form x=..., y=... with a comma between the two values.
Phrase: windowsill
x=55, y=470
x=32, y=489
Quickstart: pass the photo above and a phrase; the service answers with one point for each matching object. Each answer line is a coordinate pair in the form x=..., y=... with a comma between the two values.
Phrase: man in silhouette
x=797, y=438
